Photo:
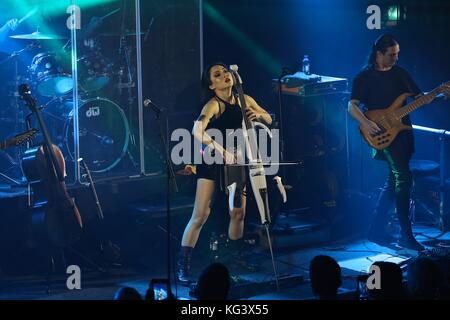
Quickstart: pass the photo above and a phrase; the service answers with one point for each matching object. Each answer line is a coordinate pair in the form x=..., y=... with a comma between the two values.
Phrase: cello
x=62, y=217
x=256, y=172
x=255, y=164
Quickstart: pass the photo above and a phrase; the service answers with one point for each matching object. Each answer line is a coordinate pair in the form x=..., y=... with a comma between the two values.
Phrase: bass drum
x=104, y=134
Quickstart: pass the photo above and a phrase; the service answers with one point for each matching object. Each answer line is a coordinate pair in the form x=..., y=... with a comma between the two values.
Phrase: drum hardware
x=16, y=117
x=37, y=35
x=7, y=178
x=109, y=250
x=133, y=161
x=122, y=34
x=126, y=71
x=15, y=54
x=124, y=85
x=50, y=74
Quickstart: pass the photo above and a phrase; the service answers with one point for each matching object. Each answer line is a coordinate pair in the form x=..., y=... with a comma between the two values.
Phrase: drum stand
x=125, y=50
x=442, y=214
x=15, y=182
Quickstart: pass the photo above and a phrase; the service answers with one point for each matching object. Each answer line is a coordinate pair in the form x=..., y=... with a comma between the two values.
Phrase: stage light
x=393, y=13
x=261, y=55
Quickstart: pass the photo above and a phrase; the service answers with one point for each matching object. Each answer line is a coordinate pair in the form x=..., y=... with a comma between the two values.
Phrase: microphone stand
x=170, y=181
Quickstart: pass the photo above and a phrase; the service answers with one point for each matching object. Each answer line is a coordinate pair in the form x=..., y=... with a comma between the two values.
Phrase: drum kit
x=104, y=132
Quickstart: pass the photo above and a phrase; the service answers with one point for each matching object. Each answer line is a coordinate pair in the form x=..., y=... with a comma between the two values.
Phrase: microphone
x=155, y=108
x=107, y=140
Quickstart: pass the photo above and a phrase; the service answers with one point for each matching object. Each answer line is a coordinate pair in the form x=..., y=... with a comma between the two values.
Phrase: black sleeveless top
x=229, y=118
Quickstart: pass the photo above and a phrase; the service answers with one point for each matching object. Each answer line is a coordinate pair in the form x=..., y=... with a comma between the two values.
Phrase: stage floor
x=353, y=255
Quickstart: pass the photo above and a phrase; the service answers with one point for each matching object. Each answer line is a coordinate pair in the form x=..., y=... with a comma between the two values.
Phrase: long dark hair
x=381, y=44
x=207, y=93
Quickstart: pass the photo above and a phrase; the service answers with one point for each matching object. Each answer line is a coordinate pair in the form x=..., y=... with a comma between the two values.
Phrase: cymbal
x=118, y=34
x=37, y=35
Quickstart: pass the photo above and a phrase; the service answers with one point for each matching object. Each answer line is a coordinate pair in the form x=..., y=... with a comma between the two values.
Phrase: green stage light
x=262, y=56
x=393, y=13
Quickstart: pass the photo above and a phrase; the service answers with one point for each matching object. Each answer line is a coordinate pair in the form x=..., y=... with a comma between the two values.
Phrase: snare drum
x=51, y=73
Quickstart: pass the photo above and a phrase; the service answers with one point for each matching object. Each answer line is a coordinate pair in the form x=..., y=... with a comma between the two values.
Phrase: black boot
x=184, y=265
x=407, y=239
x=377, y=230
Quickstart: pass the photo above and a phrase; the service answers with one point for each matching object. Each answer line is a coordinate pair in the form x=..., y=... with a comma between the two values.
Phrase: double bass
x=62, y=217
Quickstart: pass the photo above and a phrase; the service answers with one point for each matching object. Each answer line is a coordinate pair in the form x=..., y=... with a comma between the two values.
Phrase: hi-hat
x=37, y=35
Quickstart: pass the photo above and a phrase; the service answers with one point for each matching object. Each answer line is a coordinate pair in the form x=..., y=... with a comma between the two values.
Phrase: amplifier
x=303, y=85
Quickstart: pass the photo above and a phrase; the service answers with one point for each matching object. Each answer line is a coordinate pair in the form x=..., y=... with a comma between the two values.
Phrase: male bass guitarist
x=379, y=86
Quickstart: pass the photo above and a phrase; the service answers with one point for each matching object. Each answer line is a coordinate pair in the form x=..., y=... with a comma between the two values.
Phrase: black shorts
x=216, y=172
x=209, y=171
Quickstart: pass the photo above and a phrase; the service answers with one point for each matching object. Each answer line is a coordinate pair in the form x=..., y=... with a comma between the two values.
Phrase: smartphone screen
x=363, y=294
x=159, y=289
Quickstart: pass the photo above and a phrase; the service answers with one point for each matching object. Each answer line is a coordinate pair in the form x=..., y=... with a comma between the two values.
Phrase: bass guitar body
x=388, y=122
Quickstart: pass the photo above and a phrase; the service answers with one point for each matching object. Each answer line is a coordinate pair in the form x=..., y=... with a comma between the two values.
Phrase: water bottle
x=305, y=65
x=214, y=246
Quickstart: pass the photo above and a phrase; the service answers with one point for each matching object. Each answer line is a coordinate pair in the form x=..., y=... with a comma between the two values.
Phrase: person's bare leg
x=237, y=215
x=203, y=198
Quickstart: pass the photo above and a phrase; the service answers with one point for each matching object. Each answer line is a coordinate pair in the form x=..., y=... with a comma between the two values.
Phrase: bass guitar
x=389, y=120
